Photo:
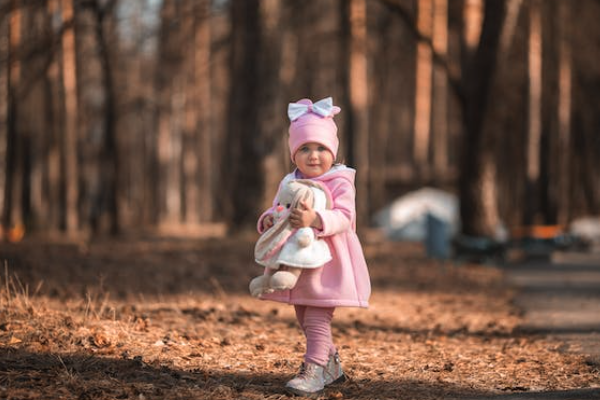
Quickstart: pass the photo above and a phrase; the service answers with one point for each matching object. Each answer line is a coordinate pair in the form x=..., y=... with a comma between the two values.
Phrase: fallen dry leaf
x=99, y=340
x=14, y=340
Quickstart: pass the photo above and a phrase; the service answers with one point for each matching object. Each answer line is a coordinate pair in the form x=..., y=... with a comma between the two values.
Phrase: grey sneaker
x=309, y=382
x=333, y=370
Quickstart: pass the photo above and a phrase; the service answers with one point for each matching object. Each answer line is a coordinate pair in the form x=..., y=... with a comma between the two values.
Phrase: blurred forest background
x=119, y=116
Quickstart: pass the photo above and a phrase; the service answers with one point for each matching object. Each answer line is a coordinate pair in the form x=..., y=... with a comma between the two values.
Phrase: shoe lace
x=302, y=368
x=328, y=371
x=308, y=371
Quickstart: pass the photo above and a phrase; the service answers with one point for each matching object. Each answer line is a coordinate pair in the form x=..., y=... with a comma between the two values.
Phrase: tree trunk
x=5, y=52
x=207, y=147
x=477, y=177
x=534, y=126
x=109, y=153
x=563, y=25
x=383, y=88
x=440, y=92
x=472, y=24
x=359, y=102
x=197, y=157
x=244, y=182
x=34, y=126
x=171, y=103
x=423, y=90
x=70, y=140
x=12, y=212
x=191, y=21
x=274, y=75
x=318, y=51
x=52, y=145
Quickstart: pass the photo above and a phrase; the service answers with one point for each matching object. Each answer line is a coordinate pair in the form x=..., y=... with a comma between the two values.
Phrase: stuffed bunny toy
x=285, y=251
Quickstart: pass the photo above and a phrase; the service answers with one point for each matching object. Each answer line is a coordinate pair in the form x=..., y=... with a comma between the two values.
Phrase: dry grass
x=170, y=319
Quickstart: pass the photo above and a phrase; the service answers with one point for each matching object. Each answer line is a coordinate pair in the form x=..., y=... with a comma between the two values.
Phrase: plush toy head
x=290, y=196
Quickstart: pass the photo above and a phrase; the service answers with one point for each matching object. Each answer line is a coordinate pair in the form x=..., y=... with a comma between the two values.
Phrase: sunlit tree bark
x=12, y=212
x=472, y=24
x=423, y=90
x=534, y=126
x=440, y=90
x=69, y=75
x=4, y=86
x=359, y=100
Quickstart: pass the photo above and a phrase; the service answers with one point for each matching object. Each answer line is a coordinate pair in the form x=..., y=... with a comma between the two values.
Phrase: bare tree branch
x=46, y=48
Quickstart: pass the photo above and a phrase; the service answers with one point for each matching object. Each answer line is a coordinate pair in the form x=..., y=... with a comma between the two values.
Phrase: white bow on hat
x=323, y=108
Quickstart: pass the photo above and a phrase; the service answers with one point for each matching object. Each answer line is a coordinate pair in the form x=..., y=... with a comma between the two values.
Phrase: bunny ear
x=302, y=193
x=271, y=241
x=320, y=186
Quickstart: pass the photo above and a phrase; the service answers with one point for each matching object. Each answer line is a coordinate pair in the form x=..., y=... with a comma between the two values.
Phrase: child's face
x=313, y=159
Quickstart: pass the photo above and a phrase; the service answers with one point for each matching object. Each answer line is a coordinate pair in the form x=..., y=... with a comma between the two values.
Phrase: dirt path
x=171, y=319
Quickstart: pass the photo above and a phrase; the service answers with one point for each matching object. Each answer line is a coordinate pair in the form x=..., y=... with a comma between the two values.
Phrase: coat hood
x=337, y=171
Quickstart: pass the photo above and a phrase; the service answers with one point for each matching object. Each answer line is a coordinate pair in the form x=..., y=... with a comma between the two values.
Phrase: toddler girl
x=343, y=281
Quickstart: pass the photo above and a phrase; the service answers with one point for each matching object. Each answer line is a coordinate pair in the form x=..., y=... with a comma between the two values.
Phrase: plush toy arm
x=260, y=223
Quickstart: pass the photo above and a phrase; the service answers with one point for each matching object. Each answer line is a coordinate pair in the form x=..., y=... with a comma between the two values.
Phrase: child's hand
x=304, y=216
x=268, y=222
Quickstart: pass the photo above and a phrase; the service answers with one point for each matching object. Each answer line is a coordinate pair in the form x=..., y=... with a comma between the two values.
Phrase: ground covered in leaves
x=150, y=318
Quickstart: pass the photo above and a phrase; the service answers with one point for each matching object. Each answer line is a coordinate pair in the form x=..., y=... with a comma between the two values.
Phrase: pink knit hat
x=313, y=123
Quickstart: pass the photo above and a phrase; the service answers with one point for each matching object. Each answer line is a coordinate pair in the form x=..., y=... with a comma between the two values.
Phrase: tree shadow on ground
x=155, y=266
x=131, y=267
x=423, y=334
x=82, y=376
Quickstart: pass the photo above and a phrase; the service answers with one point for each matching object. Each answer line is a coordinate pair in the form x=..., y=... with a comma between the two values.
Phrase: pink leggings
x=316, y=325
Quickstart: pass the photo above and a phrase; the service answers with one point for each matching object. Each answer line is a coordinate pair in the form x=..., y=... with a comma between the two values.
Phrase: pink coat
x=343, y=281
